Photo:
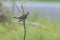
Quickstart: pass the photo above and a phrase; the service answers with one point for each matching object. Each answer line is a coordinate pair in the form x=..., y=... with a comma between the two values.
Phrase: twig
x=24, y=30
x=24, y=22
x=22, y=8
x=22, y=18
x=17, y=7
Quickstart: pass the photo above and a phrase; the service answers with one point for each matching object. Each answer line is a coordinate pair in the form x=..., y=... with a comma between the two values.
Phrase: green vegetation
x=14, y=31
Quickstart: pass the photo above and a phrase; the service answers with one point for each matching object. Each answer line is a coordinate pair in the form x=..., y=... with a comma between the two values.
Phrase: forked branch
x=17, y=7
x=22, y=18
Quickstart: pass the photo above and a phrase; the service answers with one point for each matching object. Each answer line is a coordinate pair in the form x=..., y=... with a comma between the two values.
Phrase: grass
x=15, y=32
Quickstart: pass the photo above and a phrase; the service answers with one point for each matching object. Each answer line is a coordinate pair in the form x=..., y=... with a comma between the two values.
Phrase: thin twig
x=22, y=8
x=22, y=18
x=17, y=7
x=23, y=23
x=24, y=30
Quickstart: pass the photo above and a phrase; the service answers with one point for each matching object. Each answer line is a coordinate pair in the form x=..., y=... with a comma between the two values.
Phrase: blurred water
x=44, y=9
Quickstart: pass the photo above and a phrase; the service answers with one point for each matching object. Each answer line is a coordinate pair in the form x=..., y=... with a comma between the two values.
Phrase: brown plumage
x=23, y=17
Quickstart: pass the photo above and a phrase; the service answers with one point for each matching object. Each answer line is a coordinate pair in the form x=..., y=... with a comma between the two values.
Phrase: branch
x=17, y=7
x=22, y=8
x=24, y=30
x=24, y=22
x=22, y=18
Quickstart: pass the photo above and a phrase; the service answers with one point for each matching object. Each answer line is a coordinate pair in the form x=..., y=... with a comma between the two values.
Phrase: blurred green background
x=37, y=28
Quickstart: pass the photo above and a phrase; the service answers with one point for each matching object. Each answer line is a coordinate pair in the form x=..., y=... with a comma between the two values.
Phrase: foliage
x=51, y=32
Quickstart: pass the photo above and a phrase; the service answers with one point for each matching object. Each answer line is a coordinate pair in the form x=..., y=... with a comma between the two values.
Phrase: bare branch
x=17, y=8
x=22, y=18
x=22, y=8
x=24, y=30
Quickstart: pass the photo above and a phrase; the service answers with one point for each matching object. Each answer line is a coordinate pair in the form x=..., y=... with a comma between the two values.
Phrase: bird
x=23, y=17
